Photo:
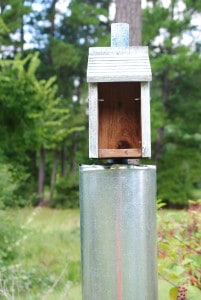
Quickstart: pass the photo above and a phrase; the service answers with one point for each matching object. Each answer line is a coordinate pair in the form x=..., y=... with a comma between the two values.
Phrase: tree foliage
x=13, y=14
x=179, y=251
x=32, y=115
x=176, y=109
x=43, y=117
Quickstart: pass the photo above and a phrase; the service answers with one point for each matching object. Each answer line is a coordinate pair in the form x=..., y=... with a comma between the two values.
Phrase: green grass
x=48, y=263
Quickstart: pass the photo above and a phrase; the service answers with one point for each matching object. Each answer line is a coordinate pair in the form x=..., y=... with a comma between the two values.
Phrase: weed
x=45, y=262
x=179, y=250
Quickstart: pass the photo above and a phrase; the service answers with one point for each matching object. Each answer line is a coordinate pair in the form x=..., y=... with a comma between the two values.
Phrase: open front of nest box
x=119, y=102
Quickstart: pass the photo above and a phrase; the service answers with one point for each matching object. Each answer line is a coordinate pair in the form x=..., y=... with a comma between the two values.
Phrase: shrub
x=66, y=192
x=7, y=186
x=10, y=233
x=10, y=185
x=179, y=251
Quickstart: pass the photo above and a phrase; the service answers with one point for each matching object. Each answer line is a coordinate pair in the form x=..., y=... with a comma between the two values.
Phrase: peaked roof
x=109, y=64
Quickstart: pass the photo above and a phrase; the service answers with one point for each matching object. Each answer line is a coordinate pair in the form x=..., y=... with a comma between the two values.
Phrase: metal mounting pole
x=118, y=225
x=119, y=35
x=118, y=229
x=120, y=38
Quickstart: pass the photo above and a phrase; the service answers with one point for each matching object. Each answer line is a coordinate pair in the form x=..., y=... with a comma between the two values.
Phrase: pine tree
x=175, y=92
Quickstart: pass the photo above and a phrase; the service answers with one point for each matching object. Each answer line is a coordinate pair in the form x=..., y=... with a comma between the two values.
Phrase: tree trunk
x=41, y=174
x=130, y=12
x=74, y=150
x=22, y=32
x=63, y=160
x=32, y=154
x=159, y=144
x=52, y=13
x=53, y=175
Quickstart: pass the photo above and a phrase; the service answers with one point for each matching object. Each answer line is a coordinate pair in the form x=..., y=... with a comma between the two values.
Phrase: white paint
x=118, y=64
x=93, y=120
x=145, y=119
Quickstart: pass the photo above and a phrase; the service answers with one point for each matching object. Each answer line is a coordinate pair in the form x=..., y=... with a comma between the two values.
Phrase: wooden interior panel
x=119, y=119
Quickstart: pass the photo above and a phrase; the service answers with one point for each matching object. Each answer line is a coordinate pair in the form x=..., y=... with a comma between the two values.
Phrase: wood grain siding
x=114, y=153
x=119, y=124
x=118, y=64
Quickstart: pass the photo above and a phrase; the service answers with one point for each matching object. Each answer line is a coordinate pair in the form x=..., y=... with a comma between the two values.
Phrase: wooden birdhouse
x=119, y=102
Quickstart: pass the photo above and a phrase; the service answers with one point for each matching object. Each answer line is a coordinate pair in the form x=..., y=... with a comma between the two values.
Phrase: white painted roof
x=117, y=64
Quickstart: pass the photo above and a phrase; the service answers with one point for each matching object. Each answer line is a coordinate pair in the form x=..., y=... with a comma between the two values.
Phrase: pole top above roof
x=120, y=35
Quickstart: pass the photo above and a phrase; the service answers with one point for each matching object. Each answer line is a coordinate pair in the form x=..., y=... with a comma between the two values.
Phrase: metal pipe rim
x=84, y=167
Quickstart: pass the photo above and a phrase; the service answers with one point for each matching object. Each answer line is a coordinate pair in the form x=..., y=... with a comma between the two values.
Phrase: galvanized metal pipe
x=118, y=224
x=118, y=232
x=119, y=35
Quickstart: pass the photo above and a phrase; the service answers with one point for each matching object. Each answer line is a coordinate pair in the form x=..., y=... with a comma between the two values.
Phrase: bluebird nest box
x=119, y=102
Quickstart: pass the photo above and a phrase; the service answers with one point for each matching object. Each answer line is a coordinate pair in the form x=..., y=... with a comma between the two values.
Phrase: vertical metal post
x=118, y=224
x=118, y=230
x=119, y=35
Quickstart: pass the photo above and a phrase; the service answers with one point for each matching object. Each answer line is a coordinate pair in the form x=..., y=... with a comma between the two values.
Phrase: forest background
x=43, y=96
